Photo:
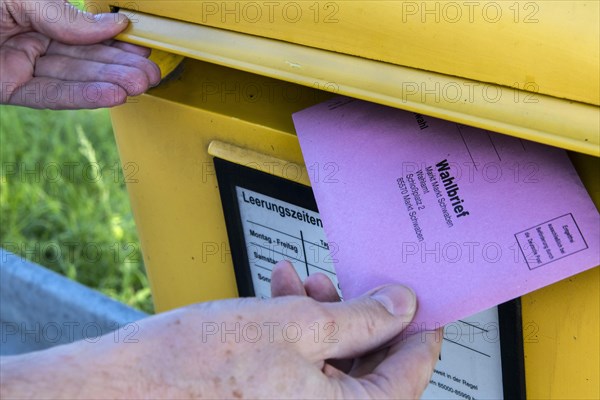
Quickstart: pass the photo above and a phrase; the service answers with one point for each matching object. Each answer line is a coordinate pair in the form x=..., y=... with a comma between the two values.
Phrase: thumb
x=65, y=23
x=368, y=322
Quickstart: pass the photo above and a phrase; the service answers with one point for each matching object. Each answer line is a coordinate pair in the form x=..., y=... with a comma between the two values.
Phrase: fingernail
x=284, y=264
x=122, y=19
x=398, y=300
x=117, y=18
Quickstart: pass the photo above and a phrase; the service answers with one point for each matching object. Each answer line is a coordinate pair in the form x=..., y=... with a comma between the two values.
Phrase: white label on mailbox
x=471, y=365
x=274, y=230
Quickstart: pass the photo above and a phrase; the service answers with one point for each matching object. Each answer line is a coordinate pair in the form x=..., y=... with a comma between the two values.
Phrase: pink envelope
x=466, y=217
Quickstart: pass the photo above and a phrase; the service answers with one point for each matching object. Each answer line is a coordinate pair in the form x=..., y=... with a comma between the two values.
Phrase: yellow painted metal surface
x=548, y=46
x=167, y=62
x=259, y=161
x=561, y=339
x=564, y=123
x=541, y=57
x=164, y=137
x=163, y=141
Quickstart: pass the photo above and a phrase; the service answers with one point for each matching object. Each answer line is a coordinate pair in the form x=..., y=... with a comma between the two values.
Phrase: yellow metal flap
x=549, y=46
x=571, y=125
x=258, y=161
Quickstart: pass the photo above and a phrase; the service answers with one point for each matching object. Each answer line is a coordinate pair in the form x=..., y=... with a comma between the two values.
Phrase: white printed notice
x=470, y=365
x=274, y=230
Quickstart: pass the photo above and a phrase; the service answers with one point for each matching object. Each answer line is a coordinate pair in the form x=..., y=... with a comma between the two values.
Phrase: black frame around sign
x=231, y=175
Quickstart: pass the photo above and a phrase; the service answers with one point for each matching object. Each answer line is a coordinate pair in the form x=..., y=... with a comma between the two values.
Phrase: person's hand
x=55, y=56
x=286, y=282
x=243, y=348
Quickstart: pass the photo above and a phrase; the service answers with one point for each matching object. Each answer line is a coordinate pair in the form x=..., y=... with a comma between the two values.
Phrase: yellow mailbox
x=528, y=69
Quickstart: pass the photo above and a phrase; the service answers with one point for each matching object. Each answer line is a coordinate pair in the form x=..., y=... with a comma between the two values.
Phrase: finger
x=132, y=48
x=344, y=366
x=364, y=324
x=319, y=287
x=17, y=60
x=133, y=80
x=366, y=364
x=67, y=95
x=107, y=55
x=406, y=370
x=285, y=281
x=31, y=44
x=63, y=22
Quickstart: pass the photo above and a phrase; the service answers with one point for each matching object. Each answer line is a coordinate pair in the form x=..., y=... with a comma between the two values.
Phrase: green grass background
x=63, y=201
